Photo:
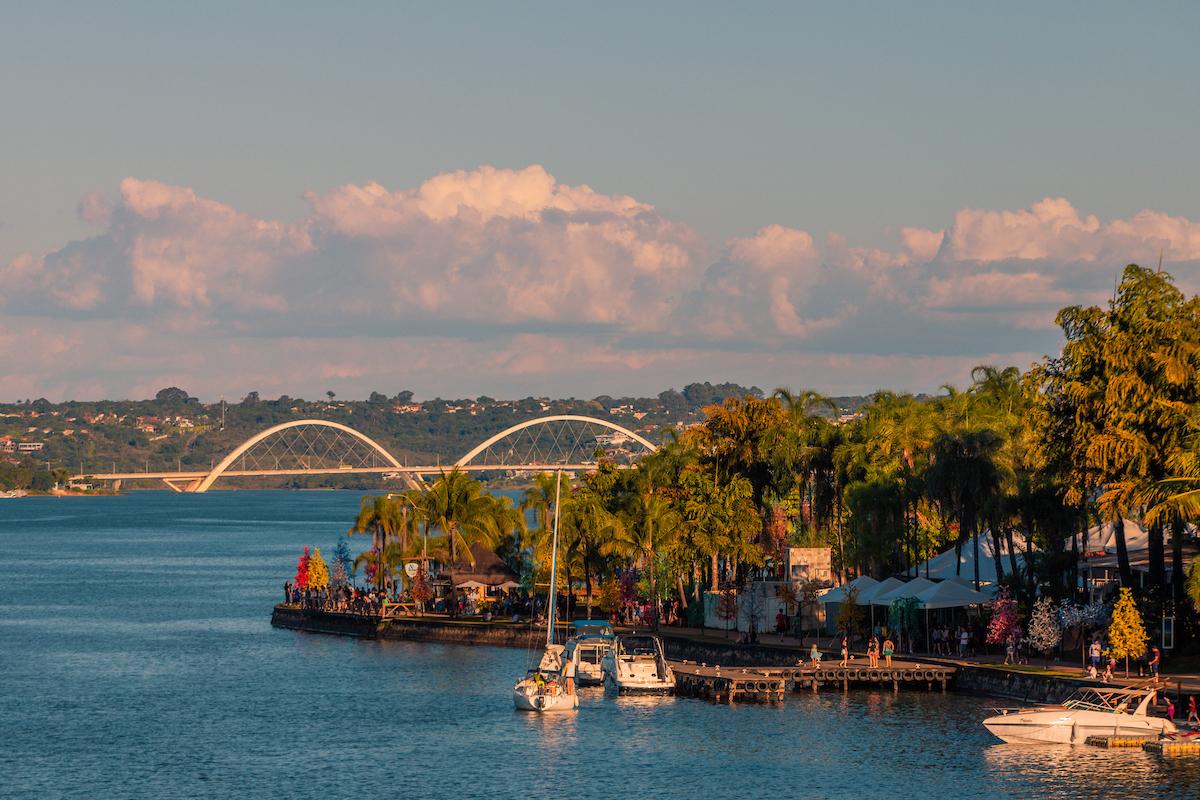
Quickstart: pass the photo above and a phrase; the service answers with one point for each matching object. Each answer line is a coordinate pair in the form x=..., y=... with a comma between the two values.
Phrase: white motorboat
x=550, y=686
x=1090, y=711
x=592, y=641
x=636, y=665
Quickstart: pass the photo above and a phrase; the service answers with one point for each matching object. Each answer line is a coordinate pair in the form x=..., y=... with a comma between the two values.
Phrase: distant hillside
x=176, y=431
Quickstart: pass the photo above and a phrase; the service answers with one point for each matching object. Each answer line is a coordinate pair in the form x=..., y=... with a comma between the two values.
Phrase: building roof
x=488, y=569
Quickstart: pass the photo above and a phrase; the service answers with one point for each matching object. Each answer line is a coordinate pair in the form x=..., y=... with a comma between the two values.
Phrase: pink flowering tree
x=1004, y=627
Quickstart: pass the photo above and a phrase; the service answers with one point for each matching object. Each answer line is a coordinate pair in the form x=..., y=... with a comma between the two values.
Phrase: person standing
x=568, y=672
x=846, y=659
x=888, y=649
x=873, y=653
x=1193, y=716
x=1155, y=662
x=1094, y=654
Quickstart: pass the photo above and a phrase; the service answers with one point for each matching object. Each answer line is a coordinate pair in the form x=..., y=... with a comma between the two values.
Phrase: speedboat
x=636, y=665
x=1090, y=711
x=587, y=648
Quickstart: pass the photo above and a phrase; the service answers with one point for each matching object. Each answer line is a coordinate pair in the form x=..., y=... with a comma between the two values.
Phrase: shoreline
x=976, y=679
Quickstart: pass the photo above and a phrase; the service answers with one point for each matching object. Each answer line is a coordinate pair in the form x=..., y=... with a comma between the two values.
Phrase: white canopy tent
x=951, y=594
x=948, y=565
x=868, y=595
x=912, y=588
x=839, y=594
x=1103, y=537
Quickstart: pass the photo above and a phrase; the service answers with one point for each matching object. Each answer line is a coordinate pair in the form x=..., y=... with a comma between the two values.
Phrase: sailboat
x=545, y=689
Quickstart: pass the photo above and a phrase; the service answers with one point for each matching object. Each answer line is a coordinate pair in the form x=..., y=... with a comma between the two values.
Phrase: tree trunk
x=1158, y=564
x=683, y=604
x=975, y=549
x=1177, y=532
x=587, y=582
x=1123, y=554
x=997, y=539
x=712, y=578
x=1012, y=551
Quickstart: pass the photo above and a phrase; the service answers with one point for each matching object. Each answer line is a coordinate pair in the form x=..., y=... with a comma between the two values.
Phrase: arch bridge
x=322, y=447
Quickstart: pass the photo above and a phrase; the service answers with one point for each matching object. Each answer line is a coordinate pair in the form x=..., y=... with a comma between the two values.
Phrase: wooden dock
x=768, y=684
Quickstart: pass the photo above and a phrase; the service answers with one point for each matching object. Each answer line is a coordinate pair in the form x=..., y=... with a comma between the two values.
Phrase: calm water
x=137, y=660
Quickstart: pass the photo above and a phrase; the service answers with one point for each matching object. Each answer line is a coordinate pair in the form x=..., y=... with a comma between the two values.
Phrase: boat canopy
x=592, y=627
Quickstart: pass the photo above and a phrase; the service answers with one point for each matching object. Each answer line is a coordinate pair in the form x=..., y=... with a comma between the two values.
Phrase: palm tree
x=653, y=521
x=964, y=475
x=382, y=517
x=590, y=530
x=457, y=505
x=539, y=499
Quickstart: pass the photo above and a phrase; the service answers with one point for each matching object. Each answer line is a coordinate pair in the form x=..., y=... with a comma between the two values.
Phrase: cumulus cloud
x=510, y=273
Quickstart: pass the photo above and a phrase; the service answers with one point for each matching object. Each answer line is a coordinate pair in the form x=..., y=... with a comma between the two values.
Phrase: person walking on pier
x=846, y=659
x=1193, y=716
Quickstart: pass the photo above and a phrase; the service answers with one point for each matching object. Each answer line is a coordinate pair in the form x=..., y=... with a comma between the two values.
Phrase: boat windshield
x=1099, y=700
x=638, y=646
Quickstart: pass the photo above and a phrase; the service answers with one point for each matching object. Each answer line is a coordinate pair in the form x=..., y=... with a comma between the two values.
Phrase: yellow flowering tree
x=1126, y=634
x=318, y=572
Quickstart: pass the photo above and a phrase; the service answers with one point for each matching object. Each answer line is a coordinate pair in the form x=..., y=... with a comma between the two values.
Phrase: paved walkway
x=1185, y=684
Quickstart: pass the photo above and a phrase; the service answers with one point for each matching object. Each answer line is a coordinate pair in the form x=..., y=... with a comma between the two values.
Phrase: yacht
x=1090, y=711
x=587, y=648
x=636, y=665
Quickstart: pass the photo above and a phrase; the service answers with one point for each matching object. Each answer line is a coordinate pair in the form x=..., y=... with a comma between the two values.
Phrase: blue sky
x=857, y=120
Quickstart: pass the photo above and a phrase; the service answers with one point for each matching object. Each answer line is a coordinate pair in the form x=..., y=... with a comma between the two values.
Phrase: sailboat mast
x=554, y=560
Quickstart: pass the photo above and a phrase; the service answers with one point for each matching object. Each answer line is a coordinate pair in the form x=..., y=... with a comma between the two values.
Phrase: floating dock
x=1119, y=741
x=768, y=684
x=1173, y=747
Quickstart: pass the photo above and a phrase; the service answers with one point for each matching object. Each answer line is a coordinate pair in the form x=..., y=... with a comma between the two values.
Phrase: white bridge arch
x=530, y=423
x=258, y=437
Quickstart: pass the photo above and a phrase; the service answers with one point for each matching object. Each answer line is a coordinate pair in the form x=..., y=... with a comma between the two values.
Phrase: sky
x=575, y=199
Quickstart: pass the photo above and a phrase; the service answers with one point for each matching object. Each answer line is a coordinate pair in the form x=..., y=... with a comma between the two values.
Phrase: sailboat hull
x=544, y=703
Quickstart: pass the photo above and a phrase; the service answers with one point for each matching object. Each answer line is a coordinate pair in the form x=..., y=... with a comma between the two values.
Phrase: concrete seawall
x=425, y=629
x=1023, y=687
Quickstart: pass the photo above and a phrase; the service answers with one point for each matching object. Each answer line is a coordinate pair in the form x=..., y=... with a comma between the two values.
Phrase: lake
x=138, y=661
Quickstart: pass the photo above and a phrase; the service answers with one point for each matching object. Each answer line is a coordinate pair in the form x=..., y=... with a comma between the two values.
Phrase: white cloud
x=509, y=275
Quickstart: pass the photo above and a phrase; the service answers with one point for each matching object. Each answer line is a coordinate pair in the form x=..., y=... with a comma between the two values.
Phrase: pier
x=732, y=684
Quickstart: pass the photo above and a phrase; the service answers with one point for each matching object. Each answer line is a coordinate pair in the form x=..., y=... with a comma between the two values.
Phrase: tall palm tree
x=457, y=505
x=589, y=529
x=382, y=517
x=964, y=474
x=653, y=521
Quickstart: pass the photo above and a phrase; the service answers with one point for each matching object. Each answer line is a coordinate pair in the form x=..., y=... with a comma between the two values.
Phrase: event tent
x=911, y=589
x=1103, y=537
x=951, y=594
x=839, y=594
x=948, y=565
x=868, y=595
